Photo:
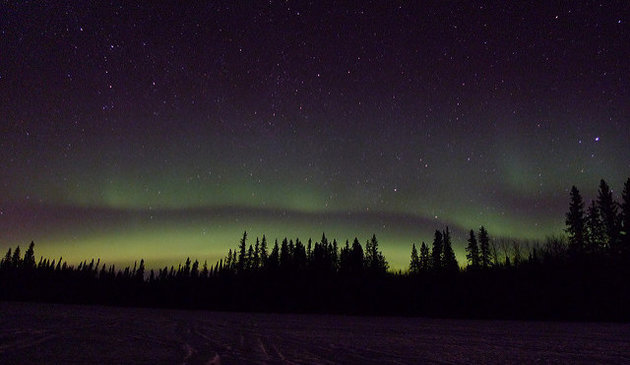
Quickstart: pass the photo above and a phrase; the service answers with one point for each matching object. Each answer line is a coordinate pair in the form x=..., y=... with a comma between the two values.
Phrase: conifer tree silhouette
x=7, y=260
x=273, y=263
x=608, y=210
x=448, y=256
x=242, y=253
x=263, y=251
x=374, y=260
x=425, y=258
x=595, y=236
x=16, y=260
x=139, y=276
x=484, y=248
x=414, y=263
x=436, y=251
x=29, y=257
x=472, y=250
x=356, y=257
x=575, y=221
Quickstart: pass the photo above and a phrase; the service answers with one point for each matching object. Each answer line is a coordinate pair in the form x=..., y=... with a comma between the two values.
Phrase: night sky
x=164, y=131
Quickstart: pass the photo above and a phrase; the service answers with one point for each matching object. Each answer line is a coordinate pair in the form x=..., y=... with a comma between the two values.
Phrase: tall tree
x=263, y=251
x=139, y=275
x=16, y=260
x=356, y=257
x=250, y=258
x=6, y=261
x=608, y=210
x=414, y=263
x=472, y=250
x=575, y=221
x=436, y=251
x=449, y=262
x=345, y=258
x=299, y=255
x=285, y=255
x=484, y=248
x=594, y=229
x=273, y=262
x=242, y=253
x=425, y=258
x=374, y=260
x=29, y=257
x=256, y=258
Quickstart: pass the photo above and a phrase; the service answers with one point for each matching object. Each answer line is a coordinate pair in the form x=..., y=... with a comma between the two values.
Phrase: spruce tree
x=374, y=260
x=608, y=210
x=242, y=253
x=425, y=258
x=436, y=251
x=356, y=257
x=6, y=261
x=594, y=229
x=250, y=258
x=414, y=263
x=256, y=258
x=263, y=251
x=484, y=248
x=285, y=255
x=139, y=275
x=29, y=257
x=449, y=262
x=273, y=262
x=472, y=250
x=575, y=221
x=16, y=260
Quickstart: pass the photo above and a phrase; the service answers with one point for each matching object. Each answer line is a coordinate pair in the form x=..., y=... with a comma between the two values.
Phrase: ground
x=51, y=333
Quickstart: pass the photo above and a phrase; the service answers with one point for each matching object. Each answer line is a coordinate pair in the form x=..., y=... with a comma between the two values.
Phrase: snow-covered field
x=63, y=334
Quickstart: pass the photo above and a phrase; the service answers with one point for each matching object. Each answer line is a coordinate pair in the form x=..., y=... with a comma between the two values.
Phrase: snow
x=50, y=333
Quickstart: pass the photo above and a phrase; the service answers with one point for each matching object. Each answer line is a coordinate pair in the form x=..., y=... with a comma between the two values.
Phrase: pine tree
x=6, y=261
x=299, y=255
x=242, y=253
x=139, y=275
x=256, y=258
x=449, y=261
x=425, y=258
x=575, y=221
x=484, y=248
x=250, y=258
x=29, y=257
x=356, y=257
x=594, y=228
x=204, y=271
x=472, y=250
x=414, y=263
x=345, y=258
x=263, y=251
x=436, y=251
x=374, y=260
x=273, y=262
x=16, y=260
x=608, y=210
x=194, y=271
x=285, y=255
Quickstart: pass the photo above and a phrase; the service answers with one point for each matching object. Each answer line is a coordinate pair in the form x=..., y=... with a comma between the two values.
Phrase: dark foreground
x=51, y=333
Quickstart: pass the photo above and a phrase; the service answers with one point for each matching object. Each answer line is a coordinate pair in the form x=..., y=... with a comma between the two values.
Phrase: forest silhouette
x=582, y=274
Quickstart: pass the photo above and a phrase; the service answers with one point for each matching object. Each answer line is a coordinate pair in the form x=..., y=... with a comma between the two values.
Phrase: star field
x=165, y=130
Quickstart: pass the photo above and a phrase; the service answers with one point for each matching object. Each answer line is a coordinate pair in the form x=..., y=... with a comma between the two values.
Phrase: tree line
x=580, y=275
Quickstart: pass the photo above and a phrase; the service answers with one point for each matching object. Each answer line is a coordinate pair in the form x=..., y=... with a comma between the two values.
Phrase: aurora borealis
x=164, y=131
